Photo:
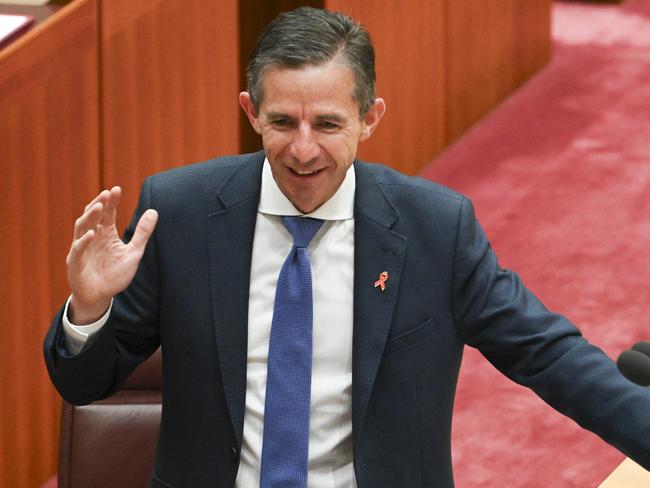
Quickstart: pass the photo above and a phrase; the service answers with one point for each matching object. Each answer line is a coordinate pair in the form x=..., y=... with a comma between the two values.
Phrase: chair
x=112, y=442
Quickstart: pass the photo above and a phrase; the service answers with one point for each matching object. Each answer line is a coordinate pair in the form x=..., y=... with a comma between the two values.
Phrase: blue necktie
x=285, y=446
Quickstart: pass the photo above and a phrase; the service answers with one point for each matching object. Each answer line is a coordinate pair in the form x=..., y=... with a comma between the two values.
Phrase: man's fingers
x=103, y=195
x=101, y=210
x=110, y=206
x=144, y=229
x=89, y=220
x=106, y=197
x=78, y=247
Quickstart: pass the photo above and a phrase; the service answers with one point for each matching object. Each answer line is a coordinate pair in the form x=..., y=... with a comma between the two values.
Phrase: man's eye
x=281, y=123
x=327, y=125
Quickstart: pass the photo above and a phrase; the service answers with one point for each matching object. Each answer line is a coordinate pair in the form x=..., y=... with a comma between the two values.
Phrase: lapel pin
x=383, y=278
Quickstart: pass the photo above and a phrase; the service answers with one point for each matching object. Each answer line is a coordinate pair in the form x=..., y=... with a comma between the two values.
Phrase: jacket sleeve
x=495, y=313
x=128, y=338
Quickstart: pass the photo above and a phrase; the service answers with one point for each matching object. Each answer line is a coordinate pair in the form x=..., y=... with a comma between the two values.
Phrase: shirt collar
x=339, y=207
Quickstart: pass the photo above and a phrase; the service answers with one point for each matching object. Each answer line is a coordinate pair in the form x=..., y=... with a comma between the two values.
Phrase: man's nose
x=304, y=147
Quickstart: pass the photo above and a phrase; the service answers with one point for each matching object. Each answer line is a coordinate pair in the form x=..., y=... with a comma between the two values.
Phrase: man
x=402, y=277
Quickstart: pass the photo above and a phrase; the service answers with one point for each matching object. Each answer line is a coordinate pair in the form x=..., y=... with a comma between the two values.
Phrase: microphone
x=634, y=364
x=643, y=347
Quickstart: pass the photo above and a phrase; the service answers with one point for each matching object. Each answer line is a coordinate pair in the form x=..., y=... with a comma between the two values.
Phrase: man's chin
x=306, y=204
x=306, y=208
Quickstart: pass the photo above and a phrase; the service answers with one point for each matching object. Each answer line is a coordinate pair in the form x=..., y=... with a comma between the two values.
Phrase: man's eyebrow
x=277, y=115
x=328, y=116
x=334, y=117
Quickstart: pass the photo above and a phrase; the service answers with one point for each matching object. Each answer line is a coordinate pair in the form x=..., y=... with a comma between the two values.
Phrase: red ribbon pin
x=383, y=278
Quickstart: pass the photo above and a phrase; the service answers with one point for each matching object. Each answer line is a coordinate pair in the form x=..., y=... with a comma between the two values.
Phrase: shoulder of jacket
x=396, y=183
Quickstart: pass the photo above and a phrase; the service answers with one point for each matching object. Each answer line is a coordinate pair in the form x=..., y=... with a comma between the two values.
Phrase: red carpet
x=560, y=177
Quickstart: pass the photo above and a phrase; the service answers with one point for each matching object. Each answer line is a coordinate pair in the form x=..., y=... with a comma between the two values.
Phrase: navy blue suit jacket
x=445, y=290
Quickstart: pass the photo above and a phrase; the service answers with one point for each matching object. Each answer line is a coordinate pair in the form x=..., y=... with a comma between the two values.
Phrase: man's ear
x=248, y=106
x=372, y=118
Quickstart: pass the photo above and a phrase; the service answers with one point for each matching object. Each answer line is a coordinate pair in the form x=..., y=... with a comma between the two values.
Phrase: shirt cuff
x=75, y=337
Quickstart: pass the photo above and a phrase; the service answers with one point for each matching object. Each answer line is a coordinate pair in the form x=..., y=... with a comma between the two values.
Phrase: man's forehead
x=338, y=62
x=327, y=74
x=326, y=90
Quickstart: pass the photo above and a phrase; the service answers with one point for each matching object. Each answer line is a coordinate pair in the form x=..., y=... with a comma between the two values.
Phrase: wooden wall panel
x=443, y=64
x=409, y=48
x=170, y=82
x=492, y=47
x=49, y=168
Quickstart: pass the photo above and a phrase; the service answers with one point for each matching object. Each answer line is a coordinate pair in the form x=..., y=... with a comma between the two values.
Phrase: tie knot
x=302, y=229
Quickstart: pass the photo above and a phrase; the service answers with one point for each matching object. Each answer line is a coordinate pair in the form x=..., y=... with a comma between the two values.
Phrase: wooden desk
x=627, y=475
x=39, y=12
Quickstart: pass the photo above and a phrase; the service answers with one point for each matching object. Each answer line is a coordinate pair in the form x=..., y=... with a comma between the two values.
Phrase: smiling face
x=310, y=128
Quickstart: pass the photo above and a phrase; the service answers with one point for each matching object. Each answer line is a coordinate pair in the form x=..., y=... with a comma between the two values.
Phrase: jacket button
x=234, y=452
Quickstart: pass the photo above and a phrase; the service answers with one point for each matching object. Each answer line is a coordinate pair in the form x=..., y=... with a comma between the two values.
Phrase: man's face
x=310, y=128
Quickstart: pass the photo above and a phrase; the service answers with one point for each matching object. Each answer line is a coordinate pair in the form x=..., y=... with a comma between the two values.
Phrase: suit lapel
x=377, y=248
x=230, y=232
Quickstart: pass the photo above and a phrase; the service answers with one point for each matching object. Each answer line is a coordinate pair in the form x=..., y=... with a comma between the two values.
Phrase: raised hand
x=99, y=264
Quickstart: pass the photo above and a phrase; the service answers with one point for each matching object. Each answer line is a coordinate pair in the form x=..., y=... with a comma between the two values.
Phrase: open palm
x=99, y=264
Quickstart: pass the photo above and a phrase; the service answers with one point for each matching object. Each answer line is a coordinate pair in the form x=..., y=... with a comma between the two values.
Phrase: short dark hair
x=310, y=36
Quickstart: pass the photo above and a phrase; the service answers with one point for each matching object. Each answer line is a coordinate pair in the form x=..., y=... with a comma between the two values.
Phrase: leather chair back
x=112, y=442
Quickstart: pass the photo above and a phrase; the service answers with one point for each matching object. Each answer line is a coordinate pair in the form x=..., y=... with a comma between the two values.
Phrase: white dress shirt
x=332, y=256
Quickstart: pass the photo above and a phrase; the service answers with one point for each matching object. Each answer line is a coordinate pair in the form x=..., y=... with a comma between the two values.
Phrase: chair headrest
x=147, y=376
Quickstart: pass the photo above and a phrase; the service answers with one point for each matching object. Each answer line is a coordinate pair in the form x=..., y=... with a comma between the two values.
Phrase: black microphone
x=634, y=364
x=643, y=347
